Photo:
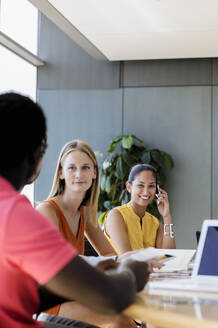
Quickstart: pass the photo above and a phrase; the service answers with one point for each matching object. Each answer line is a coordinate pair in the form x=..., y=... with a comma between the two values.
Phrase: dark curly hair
x=22, y=129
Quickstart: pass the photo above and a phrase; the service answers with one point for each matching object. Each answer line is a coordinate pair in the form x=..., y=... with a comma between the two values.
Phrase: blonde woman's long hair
x=91, y=198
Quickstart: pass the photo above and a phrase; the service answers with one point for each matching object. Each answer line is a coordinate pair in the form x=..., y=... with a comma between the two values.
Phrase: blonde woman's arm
x=49, y=211
x=96, y=237
x=98, y=240
x=116, y=230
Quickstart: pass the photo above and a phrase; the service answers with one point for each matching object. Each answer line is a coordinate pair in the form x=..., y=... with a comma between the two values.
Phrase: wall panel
x=215, y=154
x=215, y=71
x=70, y=67
x=166, y=72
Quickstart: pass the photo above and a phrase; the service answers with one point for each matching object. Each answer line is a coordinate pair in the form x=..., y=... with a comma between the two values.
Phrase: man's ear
x=128, y=186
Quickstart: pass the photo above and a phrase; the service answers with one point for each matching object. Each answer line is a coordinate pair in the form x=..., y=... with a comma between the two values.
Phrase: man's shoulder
x=9, y=198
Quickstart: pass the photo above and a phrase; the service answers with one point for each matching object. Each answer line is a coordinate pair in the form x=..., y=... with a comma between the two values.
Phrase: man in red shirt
x=32, y=251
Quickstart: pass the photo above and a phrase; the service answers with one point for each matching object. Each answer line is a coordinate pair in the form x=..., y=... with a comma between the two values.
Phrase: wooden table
x=175, y=309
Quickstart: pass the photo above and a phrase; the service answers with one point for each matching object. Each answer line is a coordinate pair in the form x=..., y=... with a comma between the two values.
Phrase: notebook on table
x=205, y=269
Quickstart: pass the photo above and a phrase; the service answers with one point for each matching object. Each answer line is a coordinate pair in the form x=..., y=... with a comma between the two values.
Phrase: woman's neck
x=138, y=210
x=70, y=202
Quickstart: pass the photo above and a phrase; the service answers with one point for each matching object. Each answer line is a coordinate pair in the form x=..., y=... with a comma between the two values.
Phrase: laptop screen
x=209, y=259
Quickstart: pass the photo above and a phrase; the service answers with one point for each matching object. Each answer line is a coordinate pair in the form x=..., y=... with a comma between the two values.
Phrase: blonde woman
x=72, y=207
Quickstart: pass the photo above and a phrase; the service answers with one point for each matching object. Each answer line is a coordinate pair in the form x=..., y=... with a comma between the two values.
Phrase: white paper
x=143, y=254
x=179, y=262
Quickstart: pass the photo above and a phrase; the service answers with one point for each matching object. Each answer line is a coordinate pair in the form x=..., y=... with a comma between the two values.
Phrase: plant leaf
x=112, y=191
x=128, y=158
x=114, y=144
x=139, y=140
x=103, y=180
x=168, y=161
x=101, y=218
x=157, y=157
x=112, y=147
x=136, y=152
x=125, y=198
x=127, y=141
x=120, y=168
x=108, y=184
x=146, y=157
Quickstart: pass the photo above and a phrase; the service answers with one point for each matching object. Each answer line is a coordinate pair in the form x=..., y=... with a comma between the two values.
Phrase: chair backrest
x=198, y=233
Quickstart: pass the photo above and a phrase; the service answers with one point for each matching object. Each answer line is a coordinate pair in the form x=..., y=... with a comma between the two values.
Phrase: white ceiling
x=141, y=29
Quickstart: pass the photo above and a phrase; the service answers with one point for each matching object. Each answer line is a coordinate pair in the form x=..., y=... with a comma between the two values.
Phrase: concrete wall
x=170, y=104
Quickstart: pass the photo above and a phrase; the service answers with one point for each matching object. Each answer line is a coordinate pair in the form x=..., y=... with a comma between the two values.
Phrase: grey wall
x=169, y=104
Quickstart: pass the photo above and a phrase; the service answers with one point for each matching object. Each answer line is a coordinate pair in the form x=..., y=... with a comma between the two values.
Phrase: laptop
x=205, y=269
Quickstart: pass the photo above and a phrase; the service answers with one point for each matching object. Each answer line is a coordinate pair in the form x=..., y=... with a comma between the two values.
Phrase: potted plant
x=124, y=152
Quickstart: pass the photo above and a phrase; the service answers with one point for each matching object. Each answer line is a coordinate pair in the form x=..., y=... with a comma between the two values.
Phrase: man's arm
x=48, y=299
x=103, y=292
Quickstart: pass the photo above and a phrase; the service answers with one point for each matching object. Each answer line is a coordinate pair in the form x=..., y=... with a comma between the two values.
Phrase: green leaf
x=168, y=161
x=157, y=157
x=146, y=157
x=112, y=147
x=117, y=139
x=101, y=199
x=108, y=184
x=101, y=218
x=114, y=144
x=120, y=170
x=136, y=152
x=103, y=181
x=112, y=191
x=125, y=198
x=127, y=141
x=122, y=195
x=139, y=140
x=128, y=158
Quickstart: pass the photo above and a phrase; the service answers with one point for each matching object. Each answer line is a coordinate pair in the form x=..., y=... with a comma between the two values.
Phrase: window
x=17, y=74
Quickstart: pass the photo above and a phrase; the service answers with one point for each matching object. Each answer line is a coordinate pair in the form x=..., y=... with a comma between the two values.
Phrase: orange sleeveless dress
x=77, y=241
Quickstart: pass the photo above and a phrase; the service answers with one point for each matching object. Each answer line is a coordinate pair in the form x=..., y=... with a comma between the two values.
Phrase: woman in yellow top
x=130, y=227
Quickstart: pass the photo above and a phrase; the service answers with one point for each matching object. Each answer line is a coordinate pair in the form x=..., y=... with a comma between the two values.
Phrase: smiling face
x=78, y=172
x=142, y=188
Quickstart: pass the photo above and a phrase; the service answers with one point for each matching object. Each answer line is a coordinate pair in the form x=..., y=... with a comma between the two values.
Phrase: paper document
x=180, y=260
x=143, y=254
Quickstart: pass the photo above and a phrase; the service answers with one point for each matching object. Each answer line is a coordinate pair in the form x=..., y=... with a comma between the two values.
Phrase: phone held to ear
x=157, y=191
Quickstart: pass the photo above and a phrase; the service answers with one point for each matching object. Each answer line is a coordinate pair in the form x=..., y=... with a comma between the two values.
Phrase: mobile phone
x=166, y=258
x=157, y=191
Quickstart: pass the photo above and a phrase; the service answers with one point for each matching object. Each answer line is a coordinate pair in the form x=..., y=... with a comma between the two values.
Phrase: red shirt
x=31, y=252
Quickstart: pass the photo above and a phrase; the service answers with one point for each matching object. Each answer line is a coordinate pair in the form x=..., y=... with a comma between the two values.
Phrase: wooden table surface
x=175, y=309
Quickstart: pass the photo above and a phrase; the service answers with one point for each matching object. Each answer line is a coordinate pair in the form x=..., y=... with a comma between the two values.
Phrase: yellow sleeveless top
x=140, y=236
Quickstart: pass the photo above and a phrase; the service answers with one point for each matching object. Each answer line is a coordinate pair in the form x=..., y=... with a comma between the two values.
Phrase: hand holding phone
x=165, y=258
